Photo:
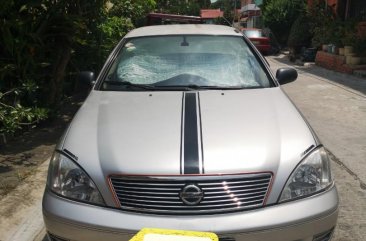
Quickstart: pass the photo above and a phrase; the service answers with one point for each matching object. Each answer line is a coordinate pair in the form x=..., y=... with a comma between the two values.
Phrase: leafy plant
x=36, y=45
x=14, y=116
x=44, y=43
x=321, y=23
x=360, y=47
x=227, y=7
x=348, y=38
x=279, y=15
x=111, y=31
x=184, y=7
x=134, y=10
x=338, y=30
x=300, y=34
x=349, y=33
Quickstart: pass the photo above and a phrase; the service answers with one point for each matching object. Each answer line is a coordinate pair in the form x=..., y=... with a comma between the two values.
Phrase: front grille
x=226, y=239
x=161, y=195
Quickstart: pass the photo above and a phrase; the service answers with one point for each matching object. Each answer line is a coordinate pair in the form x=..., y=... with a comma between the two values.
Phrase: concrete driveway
x=335, y=106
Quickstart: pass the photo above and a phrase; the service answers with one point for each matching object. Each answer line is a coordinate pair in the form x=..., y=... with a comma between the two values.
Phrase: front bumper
x=299, y=220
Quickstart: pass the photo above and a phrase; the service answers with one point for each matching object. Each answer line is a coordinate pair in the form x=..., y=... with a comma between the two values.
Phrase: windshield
x=193, y=60
x=253, y=33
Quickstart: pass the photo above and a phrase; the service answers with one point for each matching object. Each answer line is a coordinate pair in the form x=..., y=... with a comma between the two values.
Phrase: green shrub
x=360, y=47
x=13, y=115
x=300, y=34
x=111, y=31
x=279, y=16
x=327, y=28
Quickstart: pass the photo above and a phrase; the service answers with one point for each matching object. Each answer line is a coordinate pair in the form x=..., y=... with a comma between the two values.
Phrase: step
x=360, y=73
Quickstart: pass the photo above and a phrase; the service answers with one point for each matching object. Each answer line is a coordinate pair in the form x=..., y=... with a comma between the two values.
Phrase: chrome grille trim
x=220, y=201
x=144, y=188
x=186, y=207
x=238, y=195
x=161, y=195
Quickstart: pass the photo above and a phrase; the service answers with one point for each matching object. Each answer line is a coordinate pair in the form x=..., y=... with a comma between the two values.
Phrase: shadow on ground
x=352, y=82
x=22, y=154
x=46, y=133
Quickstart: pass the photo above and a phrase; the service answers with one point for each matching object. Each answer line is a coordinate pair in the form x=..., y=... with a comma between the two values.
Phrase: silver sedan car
x=186, y=128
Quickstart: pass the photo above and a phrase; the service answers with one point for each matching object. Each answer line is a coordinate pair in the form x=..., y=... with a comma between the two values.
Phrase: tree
x=182, y=7
x=279, y=16
x=44, y=43
x=135, y=10
x=37, y=42
x=21, y=64
x=228, y=7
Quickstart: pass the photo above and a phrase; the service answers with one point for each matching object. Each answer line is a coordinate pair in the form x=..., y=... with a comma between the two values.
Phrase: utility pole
x=234, y=12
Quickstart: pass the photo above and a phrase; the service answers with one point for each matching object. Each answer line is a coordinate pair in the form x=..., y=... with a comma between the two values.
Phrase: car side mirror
x=286, y=75
x=87, y=78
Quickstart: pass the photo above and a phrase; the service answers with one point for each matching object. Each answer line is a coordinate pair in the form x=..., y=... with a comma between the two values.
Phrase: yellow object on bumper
x=152, y=234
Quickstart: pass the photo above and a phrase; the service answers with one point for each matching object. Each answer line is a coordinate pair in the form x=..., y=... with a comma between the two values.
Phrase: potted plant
x=341, y=51
x=349, y=36
x=359, y=49
x=321, y=34
x=319, y=38
x=299, y=37
x=348, y=42
x=338, y=28
x=320, y=22
x=349, y=58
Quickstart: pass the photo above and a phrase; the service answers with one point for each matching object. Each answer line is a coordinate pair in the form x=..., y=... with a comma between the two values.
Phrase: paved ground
x=21, y=210
x=334, y=104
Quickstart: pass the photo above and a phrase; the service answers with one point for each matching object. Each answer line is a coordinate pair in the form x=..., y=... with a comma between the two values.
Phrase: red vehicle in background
x=258, y=39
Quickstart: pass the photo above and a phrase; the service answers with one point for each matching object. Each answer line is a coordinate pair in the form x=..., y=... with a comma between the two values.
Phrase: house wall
x=253, y=16
x=254, y=22
x=332, y=2
x=329, y=2
x=346, y=9
x=357, y=9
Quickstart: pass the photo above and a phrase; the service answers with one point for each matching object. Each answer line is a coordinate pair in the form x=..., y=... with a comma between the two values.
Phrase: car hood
x=143, y=133
x=150, y=133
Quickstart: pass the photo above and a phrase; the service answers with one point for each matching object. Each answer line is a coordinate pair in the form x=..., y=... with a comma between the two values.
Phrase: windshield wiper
x=215, y=87
x=176, y=87
x=126, y=83
x=203, y=87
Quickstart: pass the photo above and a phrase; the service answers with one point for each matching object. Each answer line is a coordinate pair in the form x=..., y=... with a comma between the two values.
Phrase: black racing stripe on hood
x=181, y=135
x=191, y=151
x=200, y=118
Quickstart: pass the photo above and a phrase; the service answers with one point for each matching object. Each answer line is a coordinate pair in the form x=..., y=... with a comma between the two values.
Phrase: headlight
x=311, y=176
x=69, y=180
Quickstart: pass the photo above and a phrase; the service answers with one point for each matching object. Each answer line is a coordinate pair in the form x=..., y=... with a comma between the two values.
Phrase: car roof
x=189, y=29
